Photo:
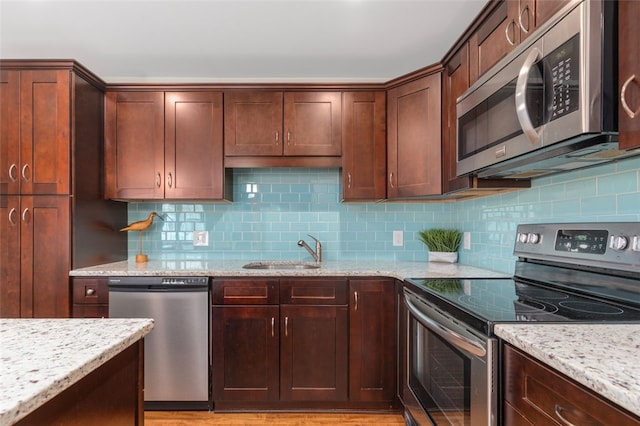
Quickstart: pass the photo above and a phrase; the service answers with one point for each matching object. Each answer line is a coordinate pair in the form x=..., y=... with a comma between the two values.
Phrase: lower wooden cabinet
x=535, y=394
x=299, y=343
x=90, y=297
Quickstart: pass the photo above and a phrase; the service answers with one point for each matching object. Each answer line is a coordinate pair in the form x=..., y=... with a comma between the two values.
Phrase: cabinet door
x=9, y=132
x=45, y=132
x=193, y=145
x=134, y=145
x=364, y=146
x=313, y=123
x=629, y=74
x=9, y=256
x=372, y=337
x=456, y=81
x=510, y=22
x=414, y=139
x=313, y=353
x=45, y=256
x=245, y=353
x=252, y=123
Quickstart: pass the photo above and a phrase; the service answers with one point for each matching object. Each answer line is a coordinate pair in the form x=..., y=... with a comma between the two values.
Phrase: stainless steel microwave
x=551, y=104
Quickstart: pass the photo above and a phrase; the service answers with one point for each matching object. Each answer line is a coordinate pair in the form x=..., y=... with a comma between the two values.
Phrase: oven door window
x=440, y=377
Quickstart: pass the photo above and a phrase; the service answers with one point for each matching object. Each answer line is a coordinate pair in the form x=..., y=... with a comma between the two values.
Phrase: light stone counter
x=40, y=358
x=233, y=268
x=602, y=357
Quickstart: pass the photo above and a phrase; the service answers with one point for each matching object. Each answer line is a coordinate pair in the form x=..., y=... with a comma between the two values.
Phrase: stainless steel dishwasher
x=176, y=352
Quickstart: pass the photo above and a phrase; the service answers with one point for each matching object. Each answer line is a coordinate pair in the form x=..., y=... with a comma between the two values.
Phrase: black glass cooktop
x=481, y=303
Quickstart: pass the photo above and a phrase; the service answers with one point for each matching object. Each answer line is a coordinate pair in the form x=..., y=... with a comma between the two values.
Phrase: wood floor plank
x=203, y=418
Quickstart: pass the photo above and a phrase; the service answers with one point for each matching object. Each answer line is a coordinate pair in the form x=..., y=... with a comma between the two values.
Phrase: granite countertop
x=602, y=357
x=233, y=268
x=39, y=358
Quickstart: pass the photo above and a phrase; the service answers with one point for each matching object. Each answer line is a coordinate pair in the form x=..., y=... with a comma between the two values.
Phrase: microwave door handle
x=521, y=96
x=447, y=334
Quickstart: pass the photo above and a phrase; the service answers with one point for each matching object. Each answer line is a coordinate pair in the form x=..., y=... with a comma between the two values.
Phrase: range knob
x=618, y=242
x=522, y=237
x=635, y=246
x=533, y=238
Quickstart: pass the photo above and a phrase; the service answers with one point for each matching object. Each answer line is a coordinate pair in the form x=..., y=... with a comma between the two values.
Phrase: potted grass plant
x=443, y=244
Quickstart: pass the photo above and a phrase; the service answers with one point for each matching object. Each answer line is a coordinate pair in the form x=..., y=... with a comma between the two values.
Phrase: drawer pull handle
x=24, y=172
x=90, y=292
x=558, y=409
x=12, y=219
x=623, y=97
x=12, y=169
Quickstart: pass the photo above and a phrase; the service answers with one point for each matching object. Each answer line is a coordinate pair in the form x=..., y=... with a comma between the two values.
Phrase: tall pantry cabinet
x=53, y=217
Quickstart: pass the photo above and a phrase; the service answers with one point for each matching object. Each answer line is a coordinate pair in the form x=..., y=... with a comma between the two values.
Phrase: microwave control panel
x=563, y=67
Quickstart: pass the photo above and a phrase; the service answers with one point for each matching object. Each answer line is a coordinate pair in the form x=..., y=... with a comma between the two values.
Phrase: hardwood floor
x=203, y=418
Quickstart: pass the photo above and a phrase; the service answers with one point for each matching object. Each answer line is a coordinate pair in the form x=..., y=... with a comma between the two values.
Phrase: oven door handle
x=449, y=335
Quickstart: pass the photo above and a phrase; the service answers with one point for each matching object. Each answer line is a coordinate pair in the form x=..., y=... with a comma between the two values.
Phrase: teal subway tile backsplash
x=274, y=208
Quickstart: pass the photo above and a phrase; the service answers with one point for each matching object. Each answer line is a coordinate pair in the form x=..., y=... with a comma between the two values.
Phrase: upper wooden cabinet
x=507, y=25
x=276, y=124
x=364, y=146
x=629, y=74
x=414, y=138
x=35, y=150
x=164, y=145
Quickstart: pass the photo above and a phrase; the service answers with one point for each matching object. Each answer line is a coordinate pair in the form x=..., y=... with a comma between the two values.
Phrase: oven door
x=451, y=372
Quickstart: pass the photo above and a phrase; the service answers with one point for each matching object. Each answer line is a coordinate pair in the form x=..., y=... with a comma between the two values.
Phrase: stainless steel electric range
x=565, y=272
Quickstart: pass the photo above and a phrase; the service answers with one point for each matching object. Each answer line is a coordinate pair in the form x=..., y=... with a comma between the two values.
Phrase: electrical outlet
x=200, y=238
x=466, y=243
x=398, y=238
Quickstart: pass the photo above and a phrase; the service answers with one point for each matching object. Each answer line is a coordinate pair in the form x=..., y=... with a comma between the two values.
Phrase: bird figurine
x=140, y=226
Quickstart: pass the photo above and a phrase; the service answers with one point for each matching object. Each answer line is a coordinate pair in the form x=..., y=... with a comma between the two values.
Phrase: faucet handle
x=314, y=238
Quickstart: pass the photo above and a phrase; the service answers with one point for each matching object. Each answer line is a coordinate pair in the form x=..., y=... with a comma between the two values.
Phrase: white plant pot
x=443, y=256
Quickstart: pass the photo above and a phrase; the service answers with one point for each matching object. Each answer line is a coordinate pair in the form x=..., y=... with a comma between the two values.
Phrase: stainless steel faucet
x=317, y=255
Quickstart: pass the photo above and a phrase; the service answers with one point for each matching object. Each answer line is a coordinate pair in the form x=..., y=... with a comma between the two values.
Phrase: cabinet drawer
x=313, y=292
x=545, y=396
x=90, y=291
x=90, y=311
x=245, y=291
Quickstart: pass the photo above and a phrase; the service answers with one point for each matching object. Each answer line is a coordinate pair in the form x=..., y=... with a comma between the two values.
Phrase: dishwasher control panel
x=185, y=280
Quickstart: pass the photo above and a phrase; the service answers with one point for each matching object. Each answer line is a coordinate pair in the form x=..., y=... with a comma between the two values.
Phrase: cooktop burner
x=484, y=302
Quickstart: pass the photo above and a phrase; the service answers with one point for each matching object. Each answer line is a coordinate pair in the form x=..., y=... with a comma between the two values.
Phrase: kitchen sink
x=281, y=265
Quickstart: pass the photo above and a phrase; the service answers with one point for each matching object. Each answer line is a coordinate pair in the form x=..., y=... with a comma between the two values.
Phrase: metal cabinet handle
x=13, y=168
x=288, y=137
x=25, y=215
x=391, y=179
x=273, y=326
x=158, y=179
x=90, y=291
x=526, y=9
x=277, y=137
x=349, y=180
x=355, y=295
x=286, y=326
x=558, y=409
x=511, y=24
x=170, y=180
x=24, y=172
x=12, y=219
x=623, y=98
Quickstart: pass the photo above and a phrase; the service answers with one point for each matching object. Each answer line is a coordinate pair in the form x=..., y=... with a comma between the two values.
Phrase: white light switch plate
x=398, y=238
x=200, y=238
x=466, y=243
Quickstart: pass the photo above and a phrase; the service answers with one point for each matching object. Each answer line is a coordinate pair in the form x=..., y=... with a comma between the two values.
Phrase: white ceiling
x=236, y=40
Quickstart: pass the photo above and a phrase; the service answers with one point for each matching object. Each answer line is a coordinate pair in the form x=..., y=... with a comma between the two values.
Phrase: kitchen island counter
x=41, y=358
x=233, y=268
x=602, y=357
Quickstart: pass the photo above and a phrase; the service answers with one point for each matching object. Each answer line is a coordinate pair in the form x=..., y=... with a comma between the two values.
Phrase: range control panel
x=613, y=245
